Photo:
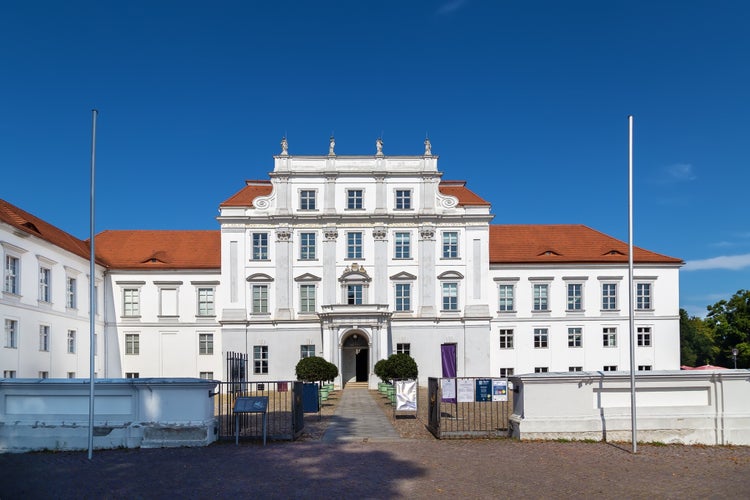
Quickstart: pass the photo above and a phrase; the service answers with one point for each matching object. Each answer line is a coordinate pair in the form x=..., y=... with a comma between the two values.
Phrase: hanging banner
x=448, y=389
x=499, y=390
x=406, y=395
x=465, y=390
x=484, y=390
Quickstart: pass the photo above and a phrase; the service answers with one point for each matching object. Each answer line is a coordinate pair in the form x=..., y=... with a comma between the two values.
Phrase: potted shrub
x=314, y=370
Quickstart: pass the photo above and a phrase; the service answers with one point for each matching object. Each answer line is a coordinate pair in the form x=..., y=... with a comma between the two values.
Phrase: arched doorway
x=355, y=358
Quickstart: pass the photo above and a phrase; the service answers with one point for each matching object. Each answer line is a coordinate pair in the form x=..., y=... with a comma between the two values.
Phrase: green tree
x=398, y=366
x=697, y=344
x=315, y=369
x=730, y=321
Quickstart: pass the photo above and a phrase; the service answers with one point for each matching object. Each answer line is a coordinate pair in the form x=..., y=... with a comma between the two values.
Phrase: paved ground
x=371, y=468
x=358, y=418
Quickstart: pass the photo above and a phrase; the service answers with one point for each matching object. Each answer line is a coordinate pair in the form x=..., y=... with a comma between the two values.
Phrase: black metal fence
x=451, y=418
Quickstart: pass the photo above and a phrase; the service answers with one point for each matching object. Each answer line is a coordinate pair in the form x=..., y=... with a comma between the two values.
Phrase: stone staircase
x=356, y=385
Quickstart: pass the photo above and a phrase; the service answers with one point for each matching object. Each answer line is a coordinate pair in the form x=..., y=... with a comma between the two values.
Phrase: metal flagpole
x=630, y=286
x=92, y=288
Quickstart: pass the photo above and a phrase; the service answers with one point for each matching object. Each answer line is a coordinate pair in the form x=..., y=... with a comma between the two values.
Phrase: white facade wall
x=28, y=355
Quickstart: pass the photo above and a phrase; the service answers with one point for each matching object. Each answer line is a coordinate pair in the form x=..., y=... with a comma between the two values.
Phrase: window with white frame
x=71, y=374
x=44, y=338
x=307, y=199
x=131, y=302
x=450, y=244
x=307, y=298
x=403, y=348
x=307, y=247
x=168, y=301
x=609, y=336
x=643, y=336
x=260, y=359
x=541, y=338
x=541, y=369
x=506, y=294
x=403, y=297
x=206, y=375
x=450, y=296
x=307, y=351
x=354, y=245
x=206, y=304
x=506, y=338
x=11, y=333
x=402, y=248
x=9, y=374
x=205, y=343
x=71, y=295
x=12, y=268
x=575, y=336
x=132, y=344
x=259, y=249
x=506, y=372
x=354, y=294
x=45, y=278
x=609, y=296
x=403, y=199
x=259, y=294
x=541, y=296
x=132, y=375
x=71, y=342
x=575, y=296
x=643, y=296
x=644, y=368
x=610, y=368
x=44, y=374
x=575, y=368
x=354, y=199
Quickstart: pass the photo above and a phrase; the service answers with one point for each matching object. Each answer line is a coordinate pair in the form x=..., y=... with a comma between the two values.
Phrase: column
x=427, y=270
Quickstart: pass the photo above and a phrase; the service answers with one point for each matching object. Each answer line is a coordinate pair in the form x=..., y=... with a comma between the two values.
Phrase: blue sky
x=526, y=100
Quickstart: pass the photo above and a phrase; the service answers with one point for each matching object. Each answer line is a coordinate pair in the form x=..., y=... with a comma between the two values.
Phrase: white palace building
x=351, y=258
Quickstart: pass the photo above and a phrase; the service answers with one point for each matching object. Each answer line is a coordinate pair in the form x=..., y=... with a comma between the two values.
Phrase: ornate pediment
x=355, y=273
x=450, y=275
x=403, y=276
x=259, y=278
x=307, y=277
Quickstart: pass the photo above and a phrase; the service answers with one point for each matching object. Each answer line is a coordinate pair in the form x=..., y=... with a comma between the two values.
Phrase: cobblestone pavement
x=358, y=418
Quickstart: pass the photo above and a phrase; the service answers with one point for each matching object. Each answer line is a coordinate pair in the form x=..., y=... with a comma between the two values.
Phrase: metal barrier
x=284, y=416
x=454, y=418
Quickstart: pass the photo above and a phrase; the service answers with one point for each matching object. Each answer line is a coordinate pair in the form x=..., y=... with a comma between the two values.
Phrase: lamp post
x=734, y=355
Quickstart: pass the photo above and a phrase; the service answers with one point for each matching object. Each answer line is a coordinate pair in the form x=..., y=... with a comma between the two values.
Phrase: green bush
x=379, y=369
x=397, y=366
x=315, y=369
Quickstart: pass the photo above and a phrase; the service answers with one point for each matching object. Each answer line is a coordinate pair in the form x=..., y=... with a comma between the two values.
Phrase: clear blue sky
x=526, y=100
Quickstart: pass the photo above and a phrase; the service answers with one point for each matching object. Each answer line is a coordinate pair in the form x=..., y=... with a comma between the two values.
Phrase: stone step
x=356, y=385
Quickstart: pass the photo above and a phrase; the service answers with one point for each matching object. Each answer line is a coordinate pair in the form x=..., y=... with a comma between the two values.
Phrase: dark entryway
x=362, y=359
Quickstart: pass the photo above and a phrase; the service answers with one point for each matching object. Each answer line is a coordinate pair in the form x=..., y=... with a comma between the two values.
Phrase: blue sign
x=483, y=391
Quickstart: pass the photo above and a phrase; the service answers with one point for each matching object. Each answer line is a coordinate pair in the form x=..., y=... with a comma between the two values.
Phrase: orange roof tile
x=160, y=249
x=459, y=190
x=554, y=244
x=24, y=221
x=245, y=196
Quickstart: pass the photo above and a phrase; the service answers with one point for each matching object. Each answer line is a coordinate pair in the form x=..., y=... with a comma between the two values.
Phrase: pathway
x=358, y=418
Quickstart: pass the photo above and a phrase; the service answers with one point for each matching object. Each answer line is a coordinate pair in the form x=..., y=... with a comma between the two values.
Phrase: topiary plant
x=315, y=369
x=401, y=366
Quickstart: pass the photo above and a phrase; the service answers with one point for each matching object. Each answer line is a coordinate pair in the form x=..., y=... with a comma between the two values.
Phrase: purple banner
x=448, y=354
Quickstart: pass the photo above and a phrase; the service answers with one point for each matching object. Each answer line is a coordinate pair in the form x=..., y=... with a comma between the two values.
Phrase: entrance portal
x=362, y=357
x=355, y=358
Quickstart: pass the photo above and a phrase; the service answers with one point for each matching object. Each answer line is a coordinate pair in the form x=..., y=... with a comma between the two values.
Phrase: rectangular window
x=71, y=341
x=450, y=245
x=403, y=348
x=403, y=199
x=354, y=245
x=403, y=297
x=643, y=296
x=44, y=338
x=609, y=296
x=541, y=291
x=11, y=333
x=506, y=339
x=541, y=369
x=260, y=359
x=575, y=368
x=643, y=335
x=307, y=298
x=450, y=296
x=206, y=302
x=575, y=296
x=132, y=344
x=71, y=299
x=505, y=293
x=306, y=351
x=206, y=375
x=11, y=274
x=260, y=246
x=354, y=199
x=71, y=374
x=644, y=368
x=610, y=368
x=260, y=299
x=44, y=374
x=609, y=337
x=402, y=249
x=9, y=374
x=132, y=375
x=575, y=337
x=206, y=343
x=307, y=246
x=354, y=294
x=307, y=199
x=506, y=372
x=541, y=338
x=45, y=275
x=131, y=302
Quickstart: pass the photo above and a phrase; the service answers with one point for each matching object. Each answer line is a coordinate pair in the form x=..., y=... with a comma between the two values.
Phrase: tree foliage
x=697, y=344
x=730, y=322
x=315, y=369
x=397, y=366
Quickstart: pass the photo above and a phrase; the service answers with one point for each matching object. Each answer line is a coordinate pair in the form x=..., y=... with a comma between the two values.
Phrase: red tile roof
x=554, y=244
x=160, y=249
x=27, y=223
x=245, y=196
x=459, y=190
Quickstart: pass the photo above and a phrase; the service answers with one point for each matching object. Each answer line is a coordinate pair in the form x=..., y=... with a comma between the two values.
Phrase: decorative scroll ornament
x=379, y=234
x=427, y=232
x=331, y=234
x=283, y=234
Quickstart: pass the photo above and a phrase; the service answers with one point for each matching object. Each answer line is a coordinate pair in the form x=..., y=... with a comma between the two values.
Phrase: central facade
x=353, y=258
